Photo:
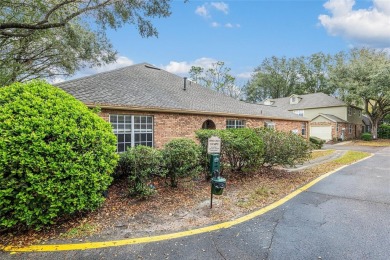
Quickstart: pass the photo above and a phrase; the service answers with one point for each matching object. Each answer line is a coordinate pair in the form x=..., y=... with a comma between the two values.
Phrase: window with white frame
x=303, y=130
x=233, y=123
x=350, y=129
x=349, y=111
x=132, y=130
x=270, y=125
x=299, y=112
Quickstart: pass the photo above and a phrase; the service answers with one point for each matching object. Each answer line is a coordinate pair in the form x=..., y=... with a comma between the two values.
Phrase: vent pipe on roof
x=185, y=83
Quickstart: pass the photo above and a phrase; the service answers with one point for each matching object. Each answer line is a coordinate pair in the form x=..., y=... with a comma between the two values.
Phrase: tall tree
x=40, y=38
x=217, y=77
x=274, y=78
x=314, y=73
x=363, y=76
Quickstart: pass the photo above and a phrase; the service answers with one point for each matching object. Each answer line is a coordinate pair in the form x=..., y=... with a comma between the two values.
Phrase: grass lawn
x=376, y=143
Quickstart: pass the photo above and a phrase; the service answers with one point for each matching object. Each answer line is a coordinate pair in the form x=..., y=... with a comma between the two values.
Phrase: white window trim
x=299, y=112
x=132, y=128
x=237, y=123
x=270, y=125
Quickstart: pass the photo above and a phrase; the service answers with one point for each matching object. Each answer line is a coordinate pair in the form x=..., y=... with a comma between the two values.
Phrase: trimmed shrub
x=141, y=164
x=181, y=157
x=384, y=131
x=56, y=155
x=317, y=142
x=281, y=148
x=366, y=137
x=241, y=149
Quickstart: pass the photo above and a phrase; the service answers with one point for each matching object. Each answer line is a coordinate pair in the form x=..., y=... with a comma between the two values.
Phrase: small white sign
x=214, y=145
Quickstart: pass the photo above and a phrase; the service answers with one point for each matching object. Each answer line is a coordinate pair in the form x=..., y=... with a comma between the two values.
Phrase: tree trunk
x=374, y=129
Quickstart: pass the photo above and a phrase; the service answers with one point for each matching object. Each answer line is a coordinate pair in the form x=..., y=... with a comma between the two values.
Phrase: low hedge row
x=179, y=159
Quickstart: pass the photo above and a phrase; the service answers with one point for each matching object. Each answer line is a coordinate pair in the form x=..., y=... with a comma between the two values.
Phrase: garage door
x=323, y=132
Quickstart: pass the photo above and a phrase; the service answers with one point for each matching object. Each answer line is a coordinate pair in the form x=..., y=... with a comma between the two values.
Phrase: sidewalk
x=317, y=161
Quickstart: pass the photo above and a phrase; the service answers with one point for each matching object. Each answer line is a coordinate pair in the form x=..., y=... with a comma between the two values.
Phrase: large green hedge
x=56, y=155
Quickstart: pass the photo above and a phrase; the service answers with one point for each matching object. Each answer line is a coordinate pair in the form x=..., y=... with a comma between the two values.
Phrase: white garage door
x=323, y=132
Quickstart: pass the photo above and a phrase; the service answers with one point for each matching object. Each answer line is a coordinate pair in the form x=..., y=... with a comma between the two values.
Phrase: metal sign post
x=217, y=183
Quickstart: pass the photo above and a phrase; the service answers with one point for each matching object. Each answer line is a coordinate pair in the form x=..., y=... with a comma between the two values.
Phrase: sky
x=243, y=33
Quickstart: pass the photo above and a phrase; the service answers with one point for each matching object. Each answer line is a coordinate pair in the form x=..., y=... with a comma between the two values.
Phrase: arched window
x=208, y=124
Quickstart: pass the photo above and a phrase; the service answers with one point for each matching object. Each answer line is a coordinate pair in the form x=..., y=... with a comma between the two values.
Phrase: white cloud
x=363, y=26
x=215, y=24
x=245, y=75
x=121, y=61
x=221, y=6
x=183, y=67
x=202, y=11
x=230, y=25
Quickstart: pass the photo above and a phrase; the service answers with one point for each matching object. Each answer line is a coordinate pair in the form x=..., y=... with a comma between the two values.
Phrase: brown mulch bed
x=185, y=207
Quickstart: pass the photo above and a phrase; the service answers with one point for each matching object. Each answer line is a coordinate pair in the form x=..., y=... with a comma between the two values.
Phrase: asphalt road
x=345, y=216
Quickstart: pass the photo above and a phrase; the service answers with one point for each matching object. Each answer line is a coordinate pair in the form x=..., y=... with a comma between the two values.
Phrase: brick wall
x=168, y=126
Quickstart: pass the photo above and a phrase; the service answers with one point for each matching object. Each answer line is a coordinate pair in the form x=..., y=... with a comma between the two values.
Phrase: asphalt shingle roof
x=334, y=118
x=144, y=85
x=308, y=101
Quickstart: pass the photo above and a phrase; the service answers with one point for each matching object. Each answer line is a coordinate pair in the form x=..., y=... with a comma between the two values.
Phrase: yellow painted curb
x=132, y=241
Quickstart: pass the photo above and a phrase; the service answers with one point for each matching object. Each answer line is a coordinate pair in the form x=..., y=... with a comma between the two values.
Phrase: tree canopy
x=281, y=77
x=49, y=38
x=217, y=77
x=363, y=77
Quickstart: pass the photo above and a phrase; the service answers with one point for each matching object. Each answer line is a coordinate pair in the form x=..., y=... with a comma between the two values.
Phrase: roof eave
x=185, y=111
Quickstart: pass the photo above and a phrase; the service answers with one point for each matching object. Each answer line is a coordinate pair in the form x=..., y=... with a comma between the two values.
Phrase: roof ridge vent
x=151, y=67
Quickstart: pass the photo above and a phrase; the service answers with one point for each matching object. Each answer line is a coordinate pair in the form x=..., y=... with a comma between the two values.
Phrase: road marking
x=133, y=241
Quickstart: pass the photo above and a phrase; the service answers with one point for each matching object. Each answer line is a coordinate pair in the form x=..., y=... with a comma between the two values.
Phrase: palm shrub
x=282, y=148
x=181, y=157
x=56, y=155
x=141, y=164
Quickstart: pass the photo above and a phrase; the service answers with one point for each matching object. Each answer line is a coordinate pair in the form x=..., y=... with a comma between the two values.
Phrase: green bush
x=56, y=155
x=241, y=149
x=317, y=142
x=141, y=164
x=281, y=148
x=384, y=131
x=181, y=157
x=366, y=137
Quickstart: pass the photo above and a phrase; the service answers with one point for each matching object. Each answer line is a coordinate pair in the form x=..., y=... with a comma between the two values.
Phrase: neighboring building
x=150, y=106
x=366, y=127
x=330, y=117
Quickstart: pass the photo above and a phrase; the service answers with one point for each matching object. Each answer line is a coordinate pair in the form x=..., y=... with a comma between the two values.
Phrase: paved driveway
x=345, y=216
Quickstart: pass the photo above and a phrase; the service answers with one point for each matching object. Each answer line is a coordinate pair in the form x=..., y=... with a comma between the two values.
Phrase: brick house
x=330, y=118
x=149, y=106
